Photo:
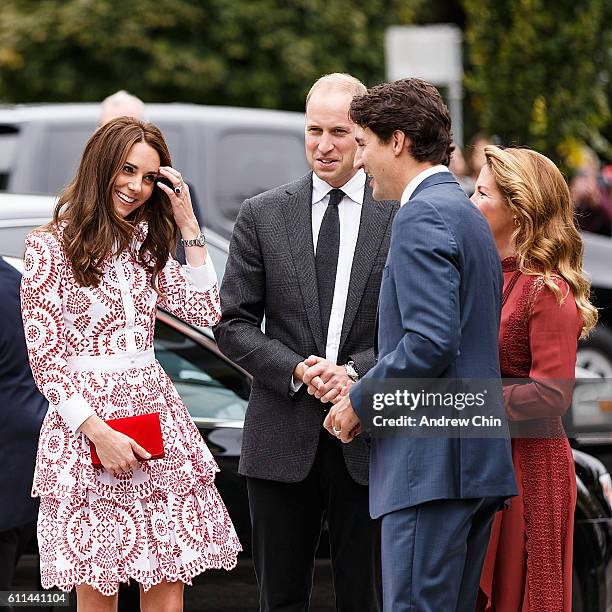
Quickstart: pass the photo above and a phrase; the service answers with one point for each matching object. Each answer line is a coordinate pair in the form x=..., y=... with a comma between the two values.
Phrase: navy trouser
x=432, y=554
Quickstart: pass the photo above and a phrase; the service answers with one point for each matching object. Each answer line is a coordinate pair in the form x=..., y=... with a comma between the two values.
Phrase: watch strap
x=199, y=241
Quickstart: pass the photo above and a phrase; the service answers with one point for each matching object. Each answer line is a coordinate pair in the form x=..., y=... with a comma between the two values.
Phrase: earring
x=517, y=223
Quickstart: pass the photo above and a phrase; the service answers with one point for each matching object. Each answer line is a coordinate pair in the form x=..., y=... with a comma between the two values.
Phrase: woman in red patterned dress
x=93, y=279
x=545, y=310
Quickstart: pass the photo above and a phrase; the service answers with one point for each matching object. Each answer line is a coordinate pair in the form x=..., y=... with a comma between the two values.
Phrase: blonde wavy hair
x=546, y=238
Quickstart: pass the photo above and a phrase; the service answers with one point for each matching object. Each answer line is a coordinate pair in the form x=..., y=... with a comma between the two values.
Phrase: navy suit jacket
x=439, y=310
x=22, y=409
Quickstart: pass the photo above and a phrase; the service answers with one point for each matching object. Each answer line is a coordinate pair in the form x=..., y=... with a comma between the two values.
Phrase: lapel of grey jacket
x=298, y=220
x=372, y=228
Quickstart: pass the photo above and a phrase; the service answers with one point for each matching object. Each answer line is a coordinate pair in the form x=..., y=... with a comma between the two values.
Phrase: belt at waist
x=107, y=363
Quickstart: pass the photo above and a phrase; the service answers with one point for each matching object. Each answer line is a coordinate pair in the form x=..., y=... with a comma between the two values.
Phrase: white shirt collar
x=353, y=188
x=418, y=179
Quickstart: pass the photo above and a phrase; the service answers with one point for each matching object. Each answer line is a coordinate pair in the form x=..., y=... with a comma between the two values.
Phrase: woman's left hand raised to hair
x=180, y=201
x=183, y=212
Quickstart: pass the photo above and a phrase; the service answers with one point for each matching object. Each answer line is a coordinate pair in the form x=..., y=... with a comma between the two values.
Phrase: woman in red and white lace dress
x=92, y=282
x=545, y=310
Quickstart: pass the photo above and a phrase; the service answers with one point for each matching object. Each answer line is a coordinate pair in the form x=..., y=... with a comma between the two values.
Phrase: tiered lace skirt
x=164, y=521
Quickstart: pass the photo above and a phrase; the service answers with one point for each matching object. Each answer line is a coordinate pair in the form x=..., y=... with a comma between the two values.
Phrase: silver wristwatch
x=349, y=366
x=199, y=241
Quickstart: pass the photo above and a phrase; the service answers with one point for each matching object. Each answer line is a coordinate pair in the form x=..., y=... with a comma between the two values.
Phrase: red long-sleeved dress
x=528, y=565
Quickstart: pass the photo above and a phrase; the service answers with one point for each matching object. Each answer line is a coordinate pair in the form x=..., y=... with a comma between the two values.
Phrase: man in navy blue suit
x=439, y=308
x=22, y=409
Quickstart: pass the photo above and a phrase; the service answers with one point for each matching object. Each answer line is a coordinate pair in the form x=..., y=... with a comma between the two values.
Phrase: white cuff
x=203, y=277
x=75, y=411
x=295, y=385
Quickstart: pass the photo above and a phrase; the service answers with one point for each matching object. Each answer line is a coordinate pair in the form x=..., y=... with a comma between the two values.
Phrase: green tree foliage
x=539, y=70
x=240, y=52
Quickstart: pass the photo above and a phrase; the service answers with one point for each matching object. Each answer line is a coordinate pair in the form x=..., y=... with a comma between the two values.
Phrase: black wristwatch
x=199, y=241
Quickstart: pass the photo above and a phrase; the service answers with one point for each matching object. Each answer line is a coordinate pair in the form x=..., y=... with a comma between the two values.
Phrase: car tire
x=595, y=352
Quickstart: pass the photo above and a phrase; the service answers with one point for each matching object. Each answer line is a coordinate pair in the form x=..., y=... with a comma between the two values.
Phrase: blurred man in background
x=459, y=167
x=121, y=104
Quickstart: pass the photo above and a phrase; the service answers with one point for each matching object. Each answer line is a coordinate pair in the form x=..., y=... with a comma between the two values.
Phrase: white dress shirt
x=418, y=179
x=349, y=211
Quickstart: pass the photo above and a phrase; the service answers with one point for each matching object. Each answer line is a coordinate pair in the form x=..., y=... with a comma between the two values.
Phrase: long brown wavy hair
x=546, y=238
x=91, y=229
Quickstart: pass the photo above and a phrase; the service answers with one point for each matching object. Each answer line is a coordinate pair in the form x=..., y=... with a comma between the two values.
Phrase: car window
x=175, y=137
x=211, y=388
x=12, y=238
x=248, y=163
x=64, y=147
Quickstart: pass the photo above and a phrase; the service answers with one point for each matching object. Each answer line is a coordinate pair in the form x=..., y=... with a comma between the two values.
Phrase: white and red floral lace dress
x=91, y=351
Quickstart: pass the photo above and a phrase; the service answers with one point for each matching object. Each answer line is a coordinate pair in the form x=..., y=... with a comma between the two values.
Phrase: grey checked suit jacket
x=271, y=272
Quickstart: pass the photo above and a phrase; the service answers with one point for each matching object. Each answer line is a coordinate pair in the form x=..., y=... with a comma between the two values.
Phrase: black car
x=592, y=580
x=215, y=392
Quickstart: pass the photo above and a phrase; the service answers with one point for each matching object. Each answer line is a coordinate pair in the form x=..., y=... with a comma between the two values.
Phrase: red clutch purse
x=143, y=429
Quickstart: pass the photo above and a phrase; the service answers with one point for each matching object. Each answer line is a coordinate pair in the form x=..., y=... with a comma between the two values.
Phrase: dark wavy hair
x=91, y=229
x=414, y=107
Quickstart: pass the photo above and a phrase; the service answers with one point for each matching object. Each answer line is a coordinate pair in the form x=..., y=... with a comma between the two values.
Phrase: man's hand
x=342, y=422
x=325, y=380
x=299, y=370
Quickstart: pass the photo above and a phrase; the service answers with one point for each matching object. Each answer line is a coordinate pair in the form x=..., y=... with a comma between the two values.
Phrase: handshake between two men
x=329, y=382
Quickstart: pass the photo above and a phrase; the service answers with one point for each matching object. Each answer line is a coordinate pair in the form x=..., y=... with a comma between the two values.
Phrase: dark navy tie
x=328, y=247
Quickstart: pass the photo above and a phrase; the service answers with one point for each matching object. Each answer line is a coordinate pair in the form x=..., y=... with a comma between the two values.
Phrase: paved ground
x=214, y=591
x=238, y=592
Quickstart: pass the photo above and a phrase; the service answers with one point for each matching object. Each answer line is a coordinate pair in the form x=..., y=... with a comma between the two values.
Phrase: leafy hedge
x=539, y=71
x=263, y=53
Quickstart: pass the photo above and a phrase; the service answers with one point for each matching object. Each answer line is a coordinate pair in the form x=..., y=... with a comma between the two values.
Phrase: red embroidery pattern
x=165, y=521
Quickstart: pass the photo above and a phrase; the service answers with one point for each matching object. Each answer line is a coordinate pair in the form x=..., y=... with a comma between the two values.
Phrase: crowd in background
x=590, y=186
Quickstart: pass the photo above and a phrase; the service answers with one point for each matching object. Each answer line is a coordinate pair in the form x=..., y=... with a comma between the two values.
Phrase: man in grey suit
x=309, y=257
x=439, y=308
